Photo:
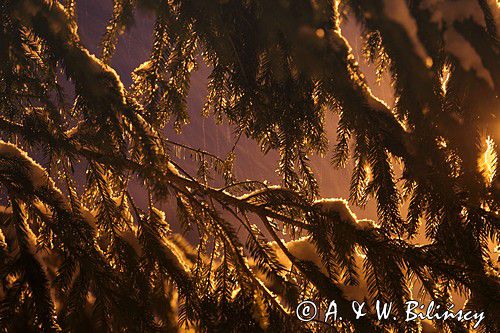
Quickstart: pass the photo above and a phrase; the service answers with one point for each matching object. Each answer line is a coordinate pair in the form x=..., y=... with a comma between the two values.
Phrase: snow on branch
x=398, y=11
x=34, y=173
x=446, y=14
x=305, y=250
x=97, y=82
x=339, y=207
x=20, y=172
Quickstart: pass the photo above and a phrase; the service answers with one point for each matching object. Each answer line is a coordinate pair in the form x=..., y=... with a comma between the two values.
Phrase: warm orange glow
x=369, y=174
x=428, y=62
x=320, y=33
x=445, y=78
x=487, y=162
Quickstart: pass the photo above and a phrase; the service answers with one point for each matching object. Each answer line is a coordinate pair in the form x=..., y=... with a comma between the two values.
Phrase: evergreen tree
x=80, y=255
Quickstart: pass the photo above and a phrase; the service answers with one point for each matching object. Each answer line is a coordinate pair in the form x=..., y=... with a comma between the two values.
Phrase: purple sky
x=133, y=49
